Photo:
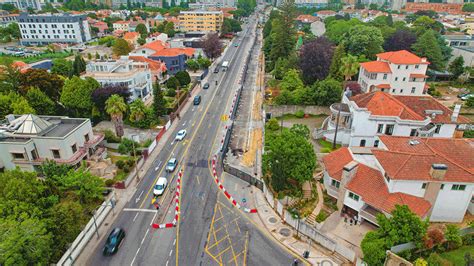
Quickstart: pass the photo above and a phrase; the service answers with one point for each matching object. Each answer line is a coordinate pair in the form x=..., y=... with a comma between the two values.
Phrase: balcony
x=427, y=131
x=369, y=214
x=341, y=110
x=74, y=159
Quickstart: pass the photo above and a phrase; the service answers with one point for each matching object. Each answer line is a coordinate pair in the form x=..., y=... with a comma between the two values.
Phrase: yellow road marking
x=222, y=252
x=217, y=243
x=197, y=177
x=230, y=242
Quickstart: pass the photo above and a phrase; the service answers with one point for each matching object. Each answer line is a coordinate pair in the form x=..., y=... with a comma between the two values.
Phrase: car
x=160, y=186
x=216, y=69
x=114, y=241
x=181, y=134
x=467, y=96
x=206, y=86
x=197, y=100
x=171, y=165
x=236, y=45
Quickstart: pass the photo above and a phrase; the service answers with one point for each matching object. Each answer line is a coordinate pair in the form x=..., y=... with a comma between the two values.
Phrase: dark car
x=216, y=69
x=197, y=100
x=113, y=241
x=206, y=86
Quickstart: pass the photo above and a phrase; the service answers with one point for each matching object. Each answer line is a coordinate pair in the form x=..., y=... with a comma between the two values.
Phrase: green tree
x=141, y=28
x=273, y=124
x=427, y=46
x=281, y=68
x=159, y=103
x=121, y=47
x=13, y=103
x=301, y=130
x=183, y=78
x=173, y=83
x=204, y=62
x=327, y=92
x=85, y=186
x=40, y=102
x=62, y=67
x=452, y=236
x=363, y=40
x=169, y=29
x=337, y=29
x=335, y=68
x=48, y=83
x=116, y=107
x=349, y=66
x=457, y=67
x=137, y=110
x=79, y=65
x=291, y=81
x=192, y=64
x=468, y=7
x=76, y=95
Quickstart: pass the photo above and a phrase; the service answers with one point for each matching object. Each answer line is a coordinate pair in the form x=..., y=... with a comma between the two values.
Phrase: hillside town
x=221, y=132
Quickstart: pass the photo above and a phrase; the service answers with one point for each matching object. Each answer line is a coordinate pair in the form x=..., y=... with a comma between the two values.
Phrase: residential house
x=462, y=45
x=132, y=38
x=398, y=73
x=29, y=140
x=361, y=118
x=157, y=68
x=163, y=37
x=311, y=3
x=450, y=8
x=101, y=26
x=135, y=75
x=434, y=177
x=325, y=13
x=121, y=25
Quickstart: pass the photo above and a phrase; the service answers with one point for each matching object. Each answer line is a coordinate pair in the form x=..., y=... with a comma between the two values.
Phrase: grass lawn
x=326, y=145
x=456, y=257
x=32, y=59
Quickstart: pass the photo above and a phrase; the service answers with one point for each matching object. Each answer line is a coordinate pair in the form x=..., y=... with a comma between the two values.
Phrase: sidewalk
x=270, y=223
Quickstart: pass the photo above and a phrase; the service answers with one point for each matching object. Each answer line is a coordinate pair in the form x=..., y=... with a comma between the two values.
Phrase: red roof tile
x=175, y=52
x=383, y=86
x=370, y=185
x=402, y=57
x=418, y=76
x=307, y=18
x=131, y=35
x=154, y=65
x=335, y=162
x=155, y=46
x=376, y=67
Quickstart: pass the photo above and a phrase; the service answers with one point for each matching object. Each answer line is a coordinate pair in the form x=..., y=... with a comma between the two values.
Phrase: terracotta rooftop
x=156, y=46
x=154, y=65
x=131, y=35
x=376, y=67
x=402, y=57
x=307, y=18
x=175, y=52
x=370, y=185
x=335, y=161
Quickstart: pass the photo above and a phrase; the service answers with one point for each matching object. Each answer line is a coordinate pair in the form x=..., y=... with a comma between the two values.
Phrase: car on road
x=216, y=69
x=160, y=186
x=181, y=134
x=114, y=241
x=171, y=165
x=236, y=45
x=197, y=100
x=206, y=86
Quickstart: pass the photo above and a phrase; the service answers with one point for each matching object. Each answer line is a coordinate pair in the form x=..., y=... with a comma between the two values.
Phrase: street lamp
x=296, y=216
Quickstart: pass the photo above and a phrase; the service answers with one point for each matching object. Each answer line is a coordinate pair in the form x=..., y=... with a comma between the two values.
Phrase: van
x=197, y=100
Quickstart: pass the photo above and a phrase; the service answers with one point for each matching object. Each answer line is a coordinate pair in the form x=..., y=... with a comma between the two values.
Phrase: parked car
x=216, y=69
x=160, y=186
x=197, y=100
x=114, y=241
x=171, y=165
x=181, y=134
x=206, y=86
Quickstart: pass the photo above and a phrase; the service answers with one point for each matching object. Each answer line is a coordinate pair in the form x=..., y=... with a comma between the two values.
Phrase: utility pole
x=337, y=127
x=135, y=158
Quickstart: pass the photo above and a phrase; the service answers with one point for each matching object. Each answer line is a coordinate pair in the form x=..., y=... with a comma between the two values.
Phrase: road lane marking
x=136, y=215
x=143, y=240
x=138, y=250
x=167, y=262
x=138, y=210
x=157, y=167
x=185, y=122
x=174, y=242
x=138, y=198
x=197, y=178
x=171, y=252
x=153, y=219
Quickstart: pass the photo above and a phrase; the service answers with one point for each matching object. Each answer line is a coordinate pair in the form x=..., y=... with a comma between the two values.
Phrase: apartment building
x=398, y=73
x=53, y=28
x=29, y=140
x=135, y=75
x=23, y=4
x=200, y=21
x=462, y=45
x=434, y=177
x=6, y=19
x=121, y=25
x=361, y=118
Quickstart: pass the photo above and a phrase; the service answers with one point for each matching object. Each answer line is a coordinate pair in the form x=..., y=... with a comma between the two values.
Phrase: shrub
x=469, y=134
x=111, y=137
x=171, y=92
x=299, y=114
x=325, y=150
x=120, y=164
x=273, y=125
x=321, y=217
x=126, y=168
x=130, y=162
x=126, y=146
x=109, y=182
x=468, y=239
x=420, y=262
x=436, y=260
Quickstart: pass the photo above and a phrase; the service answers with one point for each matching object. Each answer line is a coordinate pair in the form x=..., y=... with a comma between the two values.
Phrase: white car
x=181, y=134
x=160, y=186
x=171, y=165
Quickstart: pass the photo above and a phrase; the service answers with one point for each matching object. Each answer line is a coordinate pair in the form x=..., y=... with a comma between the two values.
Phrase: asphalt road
x=210, y=231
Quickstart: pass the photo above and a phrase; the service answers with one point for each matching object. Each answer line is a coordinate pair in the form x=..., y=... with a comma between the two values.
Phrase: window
x=406, y=67
x=56, y=154
x=387, y=178
x=404, y=79
x=437, y=129
x=396, y=78
x=18, y=155
x=398, y=67
x=423, y=186
x=458, y=187
x=86, y=137
x=353, y=196
x=442, y=186
x=335, y=183
x=34, y=155
x=389, y=129
x=376, y=143
x=417, y=66
x=413, y=132
x=362, y=143
x=74, y=148
x=380, y=128
x=384, y=76
x=393, y=90
x=413, y=89
x=401, y=90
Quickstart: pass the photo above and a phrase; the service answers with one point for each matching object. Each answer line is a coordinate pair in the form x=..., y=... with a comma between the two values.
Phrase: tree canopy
x=363, y=40
x=212, y=45
x=315, y=59
x=76, y=95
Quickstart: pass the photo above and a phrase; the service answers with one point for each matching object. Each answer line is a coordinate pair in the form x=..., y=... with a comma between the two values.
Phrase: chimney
x=438, y=171
x=455, y=114
x=348, y=172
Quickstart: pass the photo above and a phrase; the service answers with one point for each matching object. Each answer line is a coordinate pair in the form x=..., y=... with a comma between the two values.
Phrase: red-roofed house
x=121, y=26
x=365, y=116
x=434, y=177
x=404, y=72
x=131, y=37
x=157, y=68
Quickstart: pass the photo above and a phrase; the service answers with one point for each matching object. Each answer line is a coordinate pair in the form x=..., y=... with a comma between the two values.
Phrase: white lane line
x=167, y=263
x=154, y=216
x=171, y=252
x=143, y=240
x=136, y=254
x=184, y=123
x=136, y=215
x=192, y=110
x=174, y=242
x=171, y=144
x=139, y=196
x=157, y=167
x=138, y=210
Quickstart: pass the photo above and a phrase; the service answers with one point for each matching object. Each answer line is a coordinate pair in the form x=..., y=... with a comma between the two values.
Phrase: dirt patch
x=256, y=108
x=248, y=159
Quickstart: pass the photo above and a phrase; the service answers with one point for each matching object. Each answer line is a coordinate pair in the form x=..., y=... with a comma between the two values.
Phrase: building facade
x=426, y=174
x=135, y=75
x=27, y=141
x=23, y=4
x=398, y=73
x=360, y=119
x=200, y=21
x=53, y=28
x=6, y=19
